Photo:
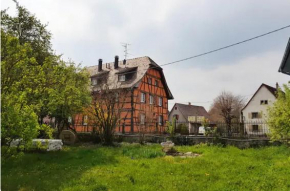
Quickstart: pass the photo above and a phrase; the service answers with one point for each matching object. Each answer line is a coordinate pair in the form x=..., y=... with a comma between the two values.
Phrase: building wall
x=151, y=111
x=255, y=106
x=176, y=112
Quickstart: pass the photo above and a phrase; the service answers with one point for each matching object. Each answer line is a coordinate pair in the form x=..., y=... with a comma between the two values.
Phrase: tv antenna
x=125, y=45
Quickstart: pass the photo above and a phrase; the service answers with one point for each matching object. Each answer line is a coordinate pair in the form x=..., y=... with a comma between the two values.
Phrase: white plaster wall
x=255, y=106
x=176, y=112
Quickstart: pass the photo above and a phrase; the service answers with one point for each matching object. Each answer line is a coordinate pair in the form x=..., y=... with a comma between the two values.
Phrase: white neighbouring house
x=255, y=112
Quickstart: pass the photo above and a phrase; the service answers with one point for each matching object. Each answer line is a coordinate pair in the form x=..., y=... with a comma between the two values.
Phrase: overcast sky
x=169, y=30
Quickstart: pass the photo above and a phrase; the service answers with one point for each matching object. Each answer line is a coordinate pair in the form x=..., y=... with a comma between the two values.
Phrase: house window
x=255, y=128
x=156, y=83
x=151, y=99
x=122, y=78
x=85, y=120
x=116, y=97
x=94, y=81
x=160, y=101
x=160, y=120
x=143, y=97
x=175, y=108
x=255, y=115
x=264, y=102
x=142, y=119
x=176, y=116
x=149, y=80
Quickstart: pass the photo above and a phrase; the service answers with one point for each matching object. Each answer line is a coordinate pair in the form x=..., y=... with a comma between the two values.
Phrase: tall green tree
x=18, y=119
x=47, y=71
x=34, y=82
x=279, y=116
x=28, y=29
x=70, y=94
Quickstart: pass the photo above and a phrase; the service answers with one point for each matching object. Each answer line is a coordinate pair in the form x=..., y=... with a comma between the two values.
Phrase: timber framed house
x=145, y=107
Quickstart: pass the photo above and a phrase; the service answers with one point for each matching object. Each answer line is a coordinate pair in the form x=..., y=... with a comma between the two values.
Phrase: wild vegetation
x=279, y=116
x=34, y=81
x=136, y=167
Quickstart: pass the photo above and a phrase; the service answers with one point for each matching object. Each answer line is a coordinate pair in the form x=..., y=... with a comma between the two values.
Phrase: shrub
x=171, y=127
x=279, y=117
x=183, y=129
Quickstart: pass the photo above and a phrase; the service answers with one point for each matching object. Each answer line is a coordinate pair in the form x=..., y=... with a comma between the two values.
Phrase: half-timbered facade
x=145, y=94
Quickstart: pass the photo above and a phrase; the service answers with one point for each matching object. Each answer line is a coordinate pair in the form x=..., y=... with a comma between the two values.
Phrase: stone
x=188, y=153
x=52, y=144
x=68, y=137
x=168, y=147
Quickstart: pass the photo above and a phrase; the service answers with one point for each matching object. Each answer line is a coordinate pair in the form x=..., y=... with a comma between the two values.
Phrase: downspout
x=132, y=110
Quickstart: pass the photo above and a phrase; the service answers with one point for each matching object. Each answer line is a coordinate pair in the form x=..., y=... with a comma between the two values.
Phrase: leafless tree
x=228, y=106
x=105, y=111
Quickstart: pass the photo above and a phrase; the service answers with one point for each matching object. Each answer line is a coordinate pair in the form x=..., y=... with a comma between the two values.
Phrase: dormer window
x=122, y=78
x=94, y=81
x=126, y=74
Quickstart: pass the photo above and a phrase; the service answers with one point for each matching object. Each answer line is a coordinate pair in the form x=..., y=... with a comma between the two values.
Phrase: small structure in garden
x=68, y=137
x=168, y=148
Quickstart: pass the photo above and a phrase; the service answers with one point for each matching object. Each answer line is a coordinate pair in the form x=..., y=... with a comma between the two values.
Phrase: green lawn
x=134, y=167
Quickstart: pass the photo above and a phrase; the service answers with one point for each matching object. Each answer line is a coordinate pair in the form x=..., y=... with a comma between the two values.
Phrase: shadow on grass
x=50, y=170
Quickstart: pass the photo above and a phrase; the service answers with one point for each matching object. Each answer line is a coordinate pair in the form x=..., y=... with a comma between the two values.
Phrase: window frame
x=255, y=115
x=176, y=116
x=149, y=80
x=156, y=83
x=160, y=101
x=120, y=78
x=141, y=98
x=256, y=129
x=160, y=120
x=142, y=119
x=94, y=81
x=263, y=102
x=151, y=99
x=85, y=120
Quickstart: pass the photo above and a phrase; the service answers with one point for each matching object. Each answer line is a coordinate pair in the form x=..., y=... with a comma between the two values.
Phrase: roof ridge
x=121, y=60
x=268, y=86
x=189, y=105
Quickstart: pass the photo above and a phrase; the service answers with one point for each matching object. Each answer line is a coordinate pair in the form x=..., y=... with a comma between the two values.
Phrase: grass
x=135, y=167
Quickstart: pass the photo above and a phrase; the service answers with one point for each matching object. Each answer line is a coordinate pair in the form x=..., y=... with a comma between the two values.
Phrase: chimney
x=116, y=62
x=100, y=65
x=189, y=103
x=124, y=61
x=277, y=85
